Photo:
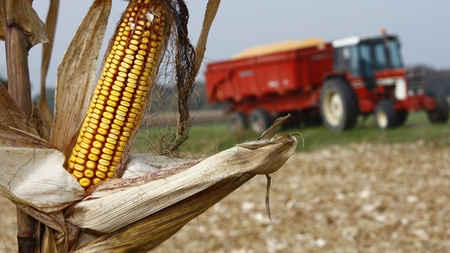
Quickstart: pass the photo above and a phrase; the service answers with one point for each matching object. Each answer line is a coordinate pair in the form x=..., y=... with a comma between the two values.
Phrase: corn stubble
x=121, y=92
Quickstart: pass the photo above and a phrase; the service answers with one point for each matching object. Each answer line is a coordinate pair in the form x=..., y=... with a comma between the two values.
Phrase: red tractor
x=317, y=81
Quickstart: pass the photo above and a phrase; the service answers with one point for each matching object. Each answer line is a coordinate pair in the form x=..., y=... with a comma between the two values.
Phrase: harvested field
x=358, y=198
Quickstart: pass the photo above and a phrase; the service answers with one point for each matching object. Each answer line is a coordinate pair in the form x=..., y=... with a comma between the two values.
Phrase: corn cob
x=119, y=97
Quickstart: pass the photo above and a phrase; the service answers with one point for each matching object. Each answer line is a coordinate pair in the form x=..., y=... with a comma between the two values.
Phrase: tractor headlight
x=400, y=89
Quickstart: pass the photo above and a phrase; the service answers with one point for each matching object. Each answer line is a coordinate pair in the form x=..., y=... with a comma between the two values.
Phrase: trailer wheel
x=440, y=115
x=238, y=121
x=385, y=115
x=260, y=120
x=338, y=105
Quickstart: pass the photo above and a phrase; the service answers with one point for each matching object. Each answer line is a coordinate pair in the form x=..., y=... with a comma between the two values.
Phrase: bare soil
x=359, y=198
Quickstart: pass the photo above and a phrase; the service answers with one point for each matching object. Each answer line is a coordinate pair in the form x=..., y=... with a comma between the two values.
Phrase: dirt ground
x=361, y=198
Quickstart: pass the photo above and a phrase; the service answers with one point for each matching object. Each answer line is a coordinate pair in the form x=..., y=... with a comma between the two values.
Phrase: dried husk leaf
x=13, y=137
x=55, y=221
x=210, y=14
x=48, y=242
x=15, y=128
x=76, y=75
x=36, y=178
x=51, y=21
x=146, y=234
x=11, y=114
x=21, y=13
x=110, y=208
x=38, y=122
x=142, y=165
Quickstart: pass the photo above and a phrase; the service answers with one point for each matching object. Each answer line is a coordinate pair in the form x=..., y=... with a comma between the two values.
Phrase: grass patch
x=210, y=139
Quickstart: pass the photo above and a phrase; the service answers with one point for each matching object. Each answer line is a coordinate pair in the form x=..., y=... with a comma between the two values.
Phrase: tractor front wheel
x=385, y=115
x=401, y=117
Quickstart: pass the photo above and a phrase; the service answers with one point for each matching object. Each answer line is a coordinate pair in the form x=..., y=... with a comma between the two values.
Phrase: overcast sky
x=239, y=24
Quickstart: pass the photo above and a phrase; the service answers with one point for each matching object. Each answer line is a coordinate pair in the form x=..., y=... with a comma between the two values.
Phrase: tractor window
x=354, y=67
x=341, y=59
x=396, y=58
x=380, y=57
x=394, y=53
x=346, y=59
x=367, y=60
x=365, y=51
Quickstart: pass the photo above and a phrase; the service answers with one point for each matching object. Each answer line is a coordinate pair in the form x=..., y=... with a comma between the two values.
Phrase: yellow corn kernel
x=84, y=182
x=96, y=180
x=119, y=96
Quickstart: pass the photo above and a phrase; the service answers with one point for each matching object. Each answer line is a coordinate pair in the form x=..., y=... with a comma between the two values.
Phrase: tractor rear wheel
x=260, y=120
x=238, y=121
x=385, y=115
x=338, y=105
x=440, y=114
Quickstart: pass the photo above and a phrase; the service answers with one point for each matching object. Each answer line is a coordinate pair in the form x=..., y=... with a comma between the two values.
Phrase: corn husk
x=11, y=115
x=39, y=181
x=76, y=75
x=146, y=234
x=37, y=120
x=108, y=207
x=15, y=129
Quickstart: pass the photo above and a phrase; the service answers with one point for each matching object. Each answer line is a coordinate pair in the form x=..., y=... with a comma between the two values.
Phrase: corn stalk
x=54, y=180
x=17, y=45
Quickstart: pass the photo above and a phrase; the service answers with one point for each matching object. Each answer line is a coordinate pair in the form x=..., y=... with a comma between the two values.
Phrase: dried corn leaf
x=11, y=115
x=142, y=165
x=52, y=17
x=39, y=180
x=21, y=13
x=151, y=231
x=108, y=209
x=38, y=122
x=15, y=128
x=13, y=137
x=55, y=220
x=210, y=14
x=76, y=75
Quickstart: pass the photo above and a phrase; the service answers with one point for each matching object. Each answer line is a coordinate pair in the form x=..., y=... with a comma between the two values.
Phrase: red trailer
x=316, y=81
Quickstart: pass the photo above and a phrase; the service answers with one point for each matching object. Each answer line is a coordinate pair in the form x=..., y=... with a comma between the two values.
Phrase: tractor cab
x=363, y=57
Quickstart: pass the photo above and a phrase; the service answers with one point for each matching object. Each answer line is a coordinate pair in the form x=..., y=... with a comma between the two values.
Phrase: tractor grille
x=415, y=81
